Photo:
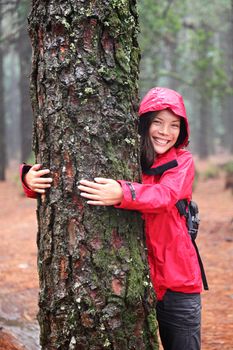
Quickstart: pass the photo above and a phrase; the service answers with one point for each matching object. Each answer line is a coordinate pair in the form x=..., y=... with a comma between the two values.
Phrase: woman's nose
x=164, y=130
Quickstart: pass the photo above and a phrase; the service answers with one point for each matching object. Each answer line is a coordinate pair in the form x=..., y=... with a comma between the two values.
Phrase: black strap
x=182, y=206
x=159, y=170
x=203, y=275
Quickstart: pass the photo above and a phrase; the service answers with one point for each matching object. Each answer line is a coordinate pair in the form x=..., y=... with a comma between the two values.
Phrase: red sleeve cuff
x=24, y=168
x=128, y=195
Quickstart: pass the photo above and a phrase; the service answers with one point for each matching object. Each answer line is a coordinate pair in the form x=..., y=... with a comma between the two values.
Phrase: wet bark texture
x=94, y=287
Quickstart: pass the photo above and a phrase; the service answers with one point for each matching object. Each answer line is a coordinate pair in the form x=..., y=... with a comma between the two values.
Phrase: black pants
x=179, y=319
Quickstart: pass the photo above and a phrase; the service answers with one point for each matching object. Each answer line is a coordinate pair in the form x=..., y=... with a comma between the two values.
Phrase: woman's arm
x=174, y=184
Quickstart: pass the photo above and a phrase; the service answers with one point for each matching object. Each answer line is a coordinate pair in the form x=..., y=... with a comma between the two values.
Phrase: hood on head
x=160, y=98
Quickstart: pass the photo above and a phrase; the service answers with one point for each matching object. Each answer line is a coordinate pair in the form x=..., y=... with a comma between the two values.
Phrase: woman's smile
x=164, y=131
x=160, y=141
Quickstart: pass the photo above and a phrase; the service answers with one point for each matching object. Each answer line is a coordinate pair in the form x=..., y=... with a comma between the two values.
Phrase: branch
x=16, y=2
x=164, y=15
x=8, y=10
x=11, y=6
x=189, y=25
x=174, y=75
x=11, y=37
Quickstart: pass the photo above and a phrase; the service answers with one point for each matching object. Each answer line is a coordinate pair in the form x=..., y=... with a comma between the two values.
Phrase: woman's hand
x=102, y=191
x=34, y=180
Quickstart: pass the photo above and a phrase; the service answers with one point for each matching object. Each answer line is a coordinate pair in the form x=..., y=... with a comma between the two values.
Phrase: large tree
x=94, y=286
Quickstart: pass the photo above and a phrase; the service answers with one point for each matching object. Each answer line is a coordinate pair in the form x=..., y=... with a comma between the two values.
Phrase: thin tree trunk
x=205, y=94
x=94, y=287
x=24, y=50
x=227, y=111
x=173, y=62
x=203, y=149
x=2, y=112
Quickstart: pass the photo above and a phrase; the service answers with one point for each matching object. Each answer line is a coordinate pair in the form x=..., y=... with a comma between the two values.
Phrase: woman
x=168, y=173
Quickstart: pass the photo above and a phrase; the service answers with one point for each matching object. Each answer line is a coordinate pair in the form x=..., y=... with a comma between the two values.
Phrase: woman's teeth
x=161, y=142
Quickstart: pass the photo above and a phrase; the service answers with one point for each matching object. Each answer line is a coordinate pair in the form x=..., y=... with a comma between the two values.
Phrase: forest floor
x=18, y=271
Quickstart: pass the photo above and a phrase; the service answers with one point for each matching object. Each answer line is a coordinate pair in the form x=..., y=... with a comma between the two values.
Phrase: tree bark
x=95, y=291
x=2, y=112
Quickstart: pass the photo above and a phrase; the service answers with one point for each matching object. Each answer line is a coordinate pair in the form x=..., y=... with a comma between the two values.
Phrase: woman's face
x=164, y=131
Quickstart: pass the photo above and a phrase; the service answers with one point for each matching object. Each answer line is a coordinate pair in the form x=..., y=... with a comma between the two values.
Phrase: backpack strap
x=203, y=275
x=184, y=210
x=159, y=170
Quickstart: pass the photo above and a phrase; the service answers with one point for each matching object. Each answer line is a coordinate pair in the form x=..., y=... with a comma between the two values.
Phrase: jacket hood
x=160, y=98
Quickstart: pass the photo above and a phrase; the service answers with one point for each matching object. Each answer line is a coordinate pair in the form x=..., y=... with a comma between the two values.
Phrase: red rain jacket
x=172, y=257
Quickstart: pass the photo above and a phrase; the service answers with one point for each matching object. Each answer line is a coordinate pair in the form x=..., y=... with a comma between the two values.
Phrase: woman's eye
x=175, y=126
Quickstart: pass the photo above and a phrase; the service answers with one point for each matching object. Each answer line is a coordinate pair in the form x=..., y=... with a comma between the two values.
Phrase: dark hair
x=182, y=135
x=148, y=153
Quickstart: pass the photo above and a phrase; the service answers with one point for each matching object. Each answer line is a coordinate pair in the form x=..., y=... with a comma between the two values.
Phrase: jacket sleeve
x=24, y=168
x=174, y=184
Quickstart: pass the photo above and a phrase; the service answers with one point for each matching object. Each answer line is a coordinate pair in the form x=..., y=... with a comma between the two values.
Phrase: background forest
x=184, y=45
x=187, y=46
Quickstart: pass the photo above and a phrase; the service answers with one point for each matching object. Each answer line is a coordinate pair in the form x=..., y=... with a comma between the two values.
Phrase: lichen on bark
x=95, y=291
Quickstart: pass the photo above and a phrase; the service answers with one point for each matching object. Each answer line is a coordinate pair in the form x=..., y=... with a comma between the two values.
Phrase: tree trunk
x=230, y=116
x=173, y=60
x=228, y=106
x=2, y=113
x=94, y=287
x=24, y=50
x=203, y=149
x=205, y=69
